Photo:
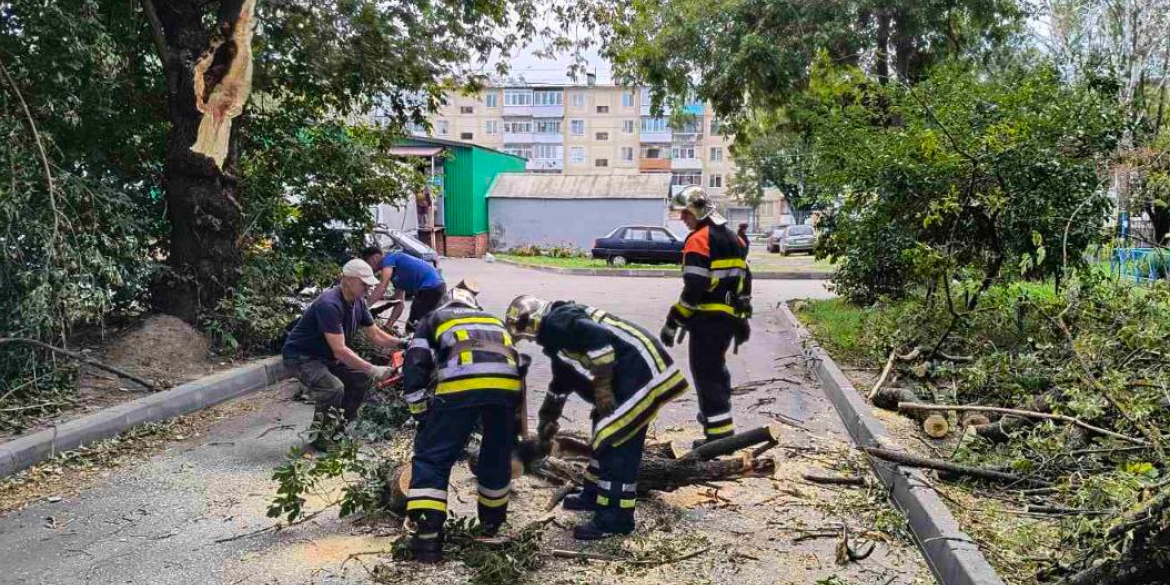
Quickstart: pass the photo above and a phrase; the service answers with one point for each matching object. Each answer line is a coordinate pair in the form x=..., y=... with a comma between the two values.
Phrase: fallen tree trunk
x=662, y=451
x=912, y=460
x=934, y=425
x=666, y=476
x=729, y=445
x=395, y=486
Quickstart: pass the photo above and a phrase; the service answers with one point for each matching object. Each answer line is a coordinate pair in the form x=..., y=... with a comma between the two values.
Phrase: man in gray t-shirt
x=318, y=354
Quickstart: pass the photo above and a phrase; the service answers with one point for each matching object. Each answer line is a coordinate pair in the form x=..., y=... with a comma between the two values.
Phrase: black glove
x=669, y=333
x=743, y=332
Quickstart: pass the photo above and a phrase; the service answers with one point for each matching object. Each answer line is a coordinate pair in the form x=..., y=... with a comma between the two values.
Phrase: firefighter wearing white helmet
x=626, y=375
x=462, y=368
x=714, y=306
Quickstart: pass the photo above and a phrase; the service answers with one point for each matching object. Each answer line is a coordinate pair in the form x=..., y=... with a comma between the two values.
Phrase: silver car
x=793, y=238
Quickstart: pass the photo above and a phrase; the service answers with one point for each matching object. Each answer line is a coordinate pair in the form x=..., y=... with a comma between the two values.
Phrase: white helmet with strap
x=695, y=200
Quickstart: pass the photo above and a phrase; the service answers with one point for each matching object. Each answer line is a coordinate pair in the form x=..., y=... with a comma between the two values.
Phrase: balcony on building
x=548, y=131
x=686, y=164
x=653, y=165
x=548, y=103
x=656, y=136
x=548, y=138
x=517, y=102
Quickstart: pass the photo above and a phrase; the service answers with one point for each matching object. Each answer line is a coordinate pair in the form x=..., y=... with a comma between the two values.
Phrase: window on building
x=577, y=99
x=517, y=127
x=627, y=153
x=443, y=127
x=491, y=100
x=553, y=151
x=715, y=181
x=691, y=126
x=627, y=126
x=521, y=150
x=684, y=152
x=601, y=162
x=601, y=136
x=577, y=127
x=654, y=151
x=517, y=97
x=577, y=155
x=650, y=124
x=548, y=98
x=627, y=99
x=765, y=208
x=466, y=110
x=683, y=178
x=548, y=126
x=716, y=127
x=716, y=154
x=602, y=109
x=491, y=127
x=465, y=135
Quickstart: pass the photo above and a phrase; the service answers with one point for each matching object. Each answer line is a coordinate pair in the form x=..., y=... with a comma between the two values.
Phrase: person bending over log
x=625, y=373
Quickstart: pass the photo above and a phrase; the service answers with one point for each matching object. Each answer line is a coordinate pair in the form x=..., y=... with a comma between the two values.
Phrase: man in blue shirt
x=408, y=275
x=316, y=351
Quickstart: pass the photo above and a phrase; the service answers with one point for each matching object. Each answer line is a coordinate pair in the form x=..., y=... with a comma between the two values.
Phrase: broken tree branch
x=157, y=33
x=32, y=125
x=833, y=480
x=80, y=357
x=1024, y=413
x=877, y=386
x=912, y=460
x=729, y=445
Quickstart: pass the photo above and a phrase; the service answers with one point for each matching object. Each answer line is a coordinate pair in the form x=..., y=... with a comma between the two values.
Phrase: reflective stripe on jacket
x=460, y=357
x=715, y=274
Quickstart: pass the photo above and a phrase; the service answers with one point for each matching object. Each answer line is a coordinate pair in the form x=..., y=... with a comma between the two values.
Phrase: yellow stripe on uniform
x=426, y=505
x=646, y=402
x=418, y=407
x=478, y=384
x=727, y=428
x=729, y=263
x=650, y=347
x=465, y=355
x=628, y=504
x=717, y=308
x=493, y=502
x=466, y=321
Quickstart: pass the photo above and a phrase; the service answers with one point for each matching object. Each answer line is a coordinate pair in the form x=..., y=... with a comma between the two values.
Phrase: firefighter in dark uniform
x=624, y=373
x=714, y=307
x=461, y=368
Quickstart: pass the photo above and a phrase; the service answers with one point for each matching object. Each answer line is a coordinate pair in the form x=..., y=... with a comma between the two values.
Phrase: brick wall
x=467, y=246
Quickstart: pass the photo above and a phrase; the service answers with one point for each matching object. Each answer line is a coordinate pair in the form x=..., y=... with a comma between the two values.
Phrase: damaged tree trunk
x=1147, y=536
x=208, y=71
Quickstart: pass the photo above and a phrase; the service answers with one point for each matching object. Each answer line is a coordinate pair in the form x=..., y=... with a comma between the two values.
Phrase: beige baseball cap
x=359, y=269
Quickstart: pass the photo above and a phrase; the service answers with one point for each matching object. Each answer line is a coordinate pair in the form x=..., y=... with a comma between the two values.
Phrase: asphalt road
x=158, y=522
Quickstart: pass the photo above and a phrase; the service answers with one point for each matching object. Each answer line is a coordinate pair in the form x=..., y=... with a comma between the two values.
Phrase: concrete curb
x=29, y=450
x=951, y=553
x=658, y=273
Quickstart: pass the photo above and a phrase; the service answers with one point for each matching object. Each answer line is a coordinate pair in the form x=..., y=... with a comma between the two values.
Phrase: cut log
x=888, y=398
x=1022, y=413
x=473, y=462
x=731, y=444
x=912, y=460
x=974, y=419
x=395, y=486
x=936, y=426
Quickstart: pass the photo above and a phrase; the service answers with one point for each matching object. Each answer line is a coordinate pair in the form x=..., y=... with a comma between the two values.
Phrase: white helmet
x=523, y=316
x=695, y=200
x=460, y=296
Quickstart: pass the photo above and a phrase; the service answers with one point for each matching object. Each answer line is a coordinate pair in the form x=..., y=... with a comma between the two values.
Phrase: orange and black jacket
x=716, y=277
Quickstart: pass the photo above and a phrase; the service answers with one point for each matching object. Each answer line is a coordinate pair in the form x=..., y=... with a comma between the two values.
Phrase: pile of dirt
x=162, y=348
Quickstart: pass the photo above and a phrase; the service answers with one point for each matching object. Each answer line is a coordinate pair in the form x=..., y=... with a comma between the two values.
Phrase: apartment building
x=590, y=129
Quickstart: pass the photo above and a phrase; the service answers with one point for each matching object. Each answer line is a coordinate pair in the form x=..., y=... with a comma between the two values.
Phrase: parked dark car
x=792, y=238
x=634, y=243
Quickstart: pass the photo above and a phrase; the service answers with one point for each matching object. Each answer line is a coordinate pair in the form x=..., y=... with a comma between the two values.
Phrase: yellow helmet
x=695, y=200
x=523, y=316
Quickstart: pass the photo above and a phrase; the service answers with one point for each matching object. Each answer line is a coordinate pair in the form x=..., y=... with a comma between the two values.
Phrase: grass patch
x=836, y=324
